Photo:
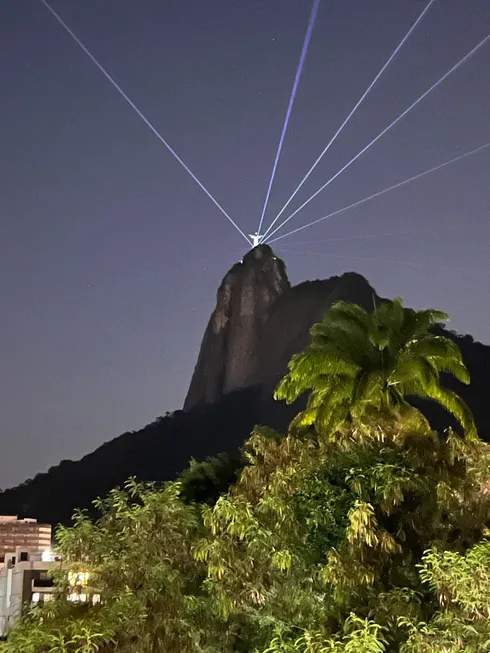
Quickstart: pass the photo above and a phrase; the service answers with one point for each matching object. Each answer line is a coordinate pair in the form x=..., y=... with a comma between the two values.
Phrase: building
x=24, y=579
x=25, y=533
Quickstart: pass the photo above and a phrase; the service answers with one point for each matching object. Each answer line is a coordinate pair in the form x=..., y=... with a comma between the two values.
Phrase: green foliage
x=359, y=531
x=462, y=586
x=203, y=482
x=323, y=526
x=140, y=561
x=358, y=636
x=361, y=362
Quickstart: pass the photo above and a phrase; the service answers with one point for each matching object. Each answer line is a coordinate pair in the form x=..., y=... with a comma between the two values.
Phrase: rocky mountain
x=259, y=322
x=231, y=348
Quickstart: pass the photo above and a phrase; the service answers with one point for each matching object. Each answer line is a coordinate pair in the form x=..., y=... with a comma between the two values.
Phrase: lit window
x=79, y=578
x=35, y=597
x=48, y=556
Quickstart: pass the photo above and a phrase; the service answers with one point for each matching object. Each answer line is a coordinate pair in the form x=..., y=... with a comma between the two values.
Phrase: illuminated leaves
x=319, y=545
x=462, y=585
x=363, y=525
x=359, y=361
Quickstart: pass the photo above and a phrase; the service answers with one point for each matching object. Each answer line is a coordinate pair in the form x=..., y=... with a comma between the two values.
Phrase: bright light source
x=35, y=597
x=78, y=578
x=256, y=238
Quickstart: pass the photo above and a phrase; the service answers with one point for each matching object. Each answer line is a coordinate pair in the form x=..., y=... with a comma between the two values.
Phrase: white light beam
x=396, y=262
x=361, y=100
x=140, y=114
x=385, y=130
x=382, y=192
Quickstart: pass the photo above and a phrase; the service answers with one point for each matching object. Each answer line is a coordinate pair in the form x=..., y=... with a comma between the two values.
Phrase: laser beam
x=142, y=116
x=361, y=100
x=382, y=192
x=384, y=131
x=299, y=70
x=396, y=262
x=385, y=234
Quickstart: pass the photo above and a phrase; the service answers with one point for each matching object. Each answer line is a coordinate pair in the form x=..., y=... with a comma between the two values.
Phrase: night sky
x=111, y=255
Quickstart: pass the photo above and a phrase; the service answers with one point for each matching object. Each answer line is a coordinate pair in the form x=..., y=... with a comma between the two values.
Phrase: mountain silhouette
x=259, y=322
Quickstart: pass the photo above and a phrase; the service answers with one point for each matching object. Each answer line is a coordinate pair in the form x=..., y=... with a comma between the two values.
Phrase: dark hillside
x=158, y=452
x=259, y=322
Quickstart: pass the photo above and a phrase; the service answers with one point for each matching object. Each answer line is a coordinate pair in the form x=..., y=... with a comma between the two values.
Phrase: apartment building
x=24, y=533
x=24, y=579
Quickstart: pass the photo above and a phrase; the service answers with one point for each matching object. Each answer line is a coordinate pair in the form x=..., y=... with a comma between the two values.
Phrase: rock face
x=230, y=351
x=259, y=322
x=289, y=320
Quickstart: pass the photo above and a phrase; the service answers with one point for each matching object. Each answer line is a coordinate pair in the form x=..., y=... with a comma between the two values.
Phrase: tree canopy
x=359, y=361
x=364, y=533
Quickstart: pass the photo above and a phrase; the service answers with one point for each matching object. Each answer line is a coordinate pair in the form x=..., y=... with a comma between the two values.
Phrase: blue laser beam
x=351, y=114
x=384, y=131
x=290, y=106
x=142, y=116
x=382, y=192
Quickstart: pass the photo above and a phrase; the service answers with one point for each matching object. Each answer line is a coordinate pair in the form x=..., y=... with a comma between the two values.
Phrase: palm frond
x=359, y=362
x=313, y=363
x=391, y=314
x=419, y=322
x=304, y=419
x=348, y=317
x=438, y=346
x=458, y=370
x=454, y=405
x=368, y=388
x=419, y=369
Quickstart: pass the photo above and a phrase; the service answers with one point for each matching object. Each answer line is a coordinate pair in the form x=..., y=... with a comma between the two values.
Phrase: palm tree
x=360, y=362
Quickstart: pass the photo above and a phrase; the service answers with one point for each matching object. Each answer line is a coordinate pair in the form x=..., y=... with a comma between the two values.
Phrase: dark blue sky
x=111, y=255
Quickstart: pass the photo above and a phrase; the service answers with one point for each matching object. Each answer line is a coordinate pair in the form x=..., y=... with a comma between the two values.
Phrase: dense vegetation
x=359, y=530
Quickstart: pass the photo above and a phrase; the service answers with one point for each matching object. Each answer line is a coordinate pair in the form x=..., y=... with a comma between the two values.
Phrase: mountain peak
x=259, y=322
x=230, y=350
x=258, y=253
